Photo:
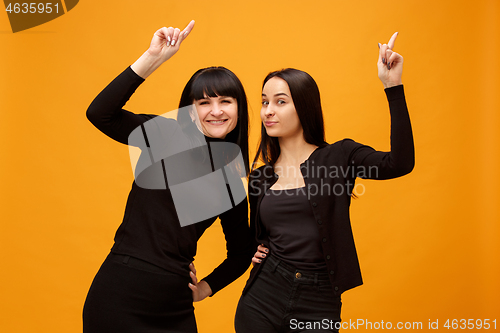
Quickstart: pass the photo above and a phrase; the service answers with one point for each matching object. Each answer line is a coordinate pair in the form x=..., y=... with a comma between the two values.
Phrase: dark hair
x=213, y=82
x=305, y=96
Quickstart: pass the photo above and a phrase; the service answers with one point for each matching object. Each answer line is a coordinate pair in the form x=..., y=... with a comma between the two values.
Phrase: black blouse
x=151, y=229
x=289, y=222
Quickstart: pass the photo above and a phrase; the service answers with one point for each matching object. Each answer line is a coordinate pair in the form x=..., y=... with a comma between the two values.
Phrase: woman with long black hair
x=299, y=202
x=188, y=174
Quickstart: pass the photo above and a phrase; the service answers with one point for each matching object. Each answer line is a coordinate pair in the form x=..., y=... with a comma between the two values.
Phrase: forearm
x=402, y=146
x=228, y=271
x=373, y=164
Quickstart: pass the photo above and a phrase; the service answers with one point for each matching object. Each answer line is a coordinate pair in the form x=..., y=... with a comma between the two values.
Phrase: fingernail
x=267, y=250
x=388, y=66
x=379, y=45
x=263, y=256
x=383, y=60
x=260, y=260
x=168, y=40
x=173, y=42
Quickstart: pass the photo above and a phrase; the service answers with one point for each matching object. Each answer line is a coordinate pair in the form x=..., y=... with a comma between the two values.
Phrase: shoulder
x=162, y=126
x=155, y=131
x=264, y=171
x=336, y=152
x=258, y=178
x=341, y=145
x=163, y=121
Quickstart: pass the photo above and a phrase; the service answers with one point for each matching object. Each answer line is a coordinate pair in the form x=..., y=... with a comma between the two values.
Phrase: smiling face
x=217, y=116
x=278, y=112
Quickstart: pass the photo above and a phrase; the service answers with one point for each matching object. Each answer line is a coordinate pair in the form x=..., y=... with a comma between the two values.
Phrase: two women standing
x=298, y=211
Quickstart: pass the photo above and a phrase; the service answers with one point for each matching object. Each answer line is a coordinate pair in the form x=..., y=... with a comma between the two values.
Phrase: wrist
x=392, y=84
x=205, y=289
x=146, y=64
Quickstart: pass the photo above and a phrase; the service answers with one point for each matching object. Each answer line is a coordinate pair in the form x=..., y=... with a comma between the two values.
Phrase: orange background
x=428, y=243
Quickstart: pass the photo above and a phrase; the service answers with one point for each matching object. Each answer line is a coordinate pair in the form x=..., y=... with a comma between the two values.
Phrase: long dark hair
x=213, y=82
x=305, y=96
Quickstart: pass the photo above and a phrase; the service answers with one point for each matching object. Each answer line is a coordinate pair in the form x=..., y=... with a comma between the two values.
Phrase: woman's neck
x=294, y=150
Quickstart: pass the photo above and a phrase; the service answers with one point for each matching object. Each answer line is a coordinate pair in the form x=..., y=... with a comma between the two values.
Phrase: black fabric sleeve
x=372, y=164
x=239, y=242
x=106, y=113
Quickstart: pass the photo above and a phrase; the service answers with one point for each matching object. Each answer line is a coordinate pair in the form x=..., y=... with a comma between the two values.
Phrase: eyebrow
x=218, y=97
x=278, y=94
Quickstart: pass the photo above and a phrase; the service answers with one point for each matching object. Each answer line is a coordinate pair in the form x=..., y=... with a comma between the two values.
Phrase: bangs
x=214, y=82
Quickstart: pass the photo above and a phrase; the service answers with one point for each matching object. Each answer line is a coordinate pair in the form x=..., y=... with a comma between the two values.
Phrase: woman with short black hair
x=188, y=174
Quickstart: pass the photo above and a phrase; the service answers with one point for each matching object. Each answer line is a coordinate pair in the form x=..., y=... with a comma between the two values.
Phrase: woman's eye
x=203, y=103
x=265, y=102
x=226, y=101
x=281, y=101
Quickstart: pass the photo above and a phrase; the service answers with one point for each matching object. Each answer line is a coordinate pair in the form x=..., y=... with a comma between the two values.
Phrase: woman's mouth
x=217, y=122
x=269, y=123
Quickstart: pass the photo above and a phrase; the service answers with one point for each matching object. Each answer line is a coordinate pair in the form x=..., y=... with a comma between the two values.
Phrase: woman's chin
x=272, y=133
x=216, y=134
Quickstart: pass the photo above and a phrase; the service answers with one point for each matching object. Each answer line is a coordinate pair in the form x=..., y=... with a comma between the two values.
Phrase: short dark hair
x=306, y=98
x=213, y=82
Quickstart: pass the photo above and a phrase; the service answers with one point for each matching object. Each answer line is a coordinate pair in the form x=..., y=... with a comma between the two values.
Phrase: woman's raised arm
x=106, y=110
x=401, y=159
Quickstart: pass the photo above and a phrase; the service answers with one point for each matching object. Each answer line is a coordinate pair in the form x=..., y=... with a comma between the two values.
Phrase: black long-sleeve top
x=329, y=175
x=151, y=230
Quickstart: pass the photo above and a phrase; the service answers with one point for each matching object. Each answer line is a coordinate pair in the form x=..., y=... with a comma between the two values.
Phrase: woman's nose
x=216, y=110
x=269, y=112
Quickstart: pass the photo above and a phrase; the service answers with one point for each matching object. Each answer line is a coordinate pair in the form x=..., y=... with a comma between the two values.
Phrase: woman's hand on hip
x=165, y=43
x=260, y=255
x=390, y=64
x=201, y=290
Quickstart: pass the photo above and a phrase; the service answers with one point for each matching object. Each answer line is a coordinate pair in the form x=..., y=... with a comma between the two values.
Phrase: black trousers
x=285, y=299
x=129, y=295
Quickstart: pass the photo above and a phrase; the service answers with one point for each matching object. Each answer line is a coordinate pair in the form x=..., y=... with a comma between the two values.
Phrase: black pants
x=285, y=299
x=129, y=295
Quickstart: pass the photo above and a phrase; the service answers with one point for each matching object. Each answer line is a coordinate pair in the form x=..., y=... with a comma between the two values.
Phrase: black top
x=329, y=175
x=151, y=229
x=289, y=222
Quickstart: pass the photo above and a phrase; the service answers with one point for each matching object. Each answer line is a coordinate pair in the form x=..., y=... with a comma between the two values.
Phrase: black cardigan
x=150, y=229
x=329, y=174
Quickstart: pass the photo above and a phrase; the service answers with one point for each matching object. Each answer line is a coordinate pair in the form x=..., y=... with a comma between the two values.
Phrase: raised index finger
x=392, y=40
x=187, y=29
